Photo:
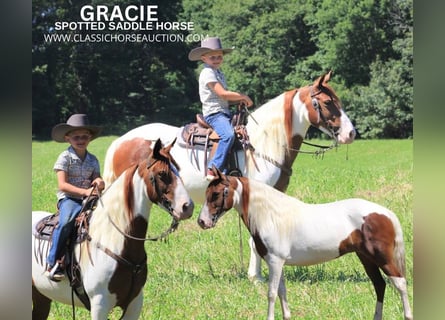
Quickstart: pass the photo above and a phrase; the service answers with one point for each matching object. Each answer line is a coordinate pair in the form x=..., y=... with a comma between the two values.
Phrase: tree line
x=279, y=45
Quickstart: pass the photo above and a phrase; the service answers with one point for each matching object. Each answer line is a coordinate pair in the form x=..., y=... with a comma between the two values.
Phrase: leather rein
x=317, y=153
x=165, y=203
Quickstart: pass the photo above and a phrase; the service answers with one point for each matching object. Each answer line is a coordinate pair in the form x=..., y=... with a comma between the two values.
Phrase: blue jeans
x=69, y=208
x=220, y=122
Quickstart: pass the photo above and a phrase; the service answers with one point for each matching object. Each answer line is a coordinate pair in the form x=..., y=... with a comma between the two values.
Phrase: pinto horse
x=113, y=261
x=276, y=130
x=288, y=231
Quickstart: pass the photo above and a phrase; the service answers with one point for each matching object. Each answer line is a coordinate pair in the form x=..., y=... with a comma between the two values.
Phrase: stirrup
x=55, y=274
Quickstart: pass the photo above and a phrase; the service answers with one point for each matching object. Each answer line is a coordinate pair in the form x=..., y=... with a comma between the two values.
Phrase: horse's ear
x=157, y=148
x=168, y=148
x=216, y=171
x=328, y=76
x=324, y=78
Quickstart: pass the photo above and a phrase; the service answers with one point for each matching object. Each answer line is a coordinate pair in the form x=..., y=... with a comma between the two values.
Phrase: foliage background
x=199, y=274
x=280, y=44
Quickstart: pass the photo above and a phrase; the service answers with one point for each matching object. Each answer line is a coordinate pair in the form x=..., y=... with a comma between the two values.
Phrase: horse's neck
x=267, y=130
x=118, y=210
x=258, y=203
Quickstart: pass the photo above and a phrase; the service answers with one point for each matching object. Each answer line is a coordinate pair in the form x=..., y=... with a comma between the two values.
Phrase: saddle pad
x=194, y=136
x=44, y=228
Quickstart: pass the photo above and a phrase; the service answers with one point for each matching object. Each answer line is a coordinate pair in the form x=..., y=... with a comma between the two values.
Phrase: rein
x=136, y=267
x=317, y=153
x=173, y=226
x=286, y=170
x=320, y=152
x=222, y=210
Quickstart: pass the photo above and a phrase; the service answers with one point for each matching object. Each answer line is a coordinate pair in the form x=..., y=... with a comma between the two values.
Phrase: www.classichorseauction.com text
x=141, y=23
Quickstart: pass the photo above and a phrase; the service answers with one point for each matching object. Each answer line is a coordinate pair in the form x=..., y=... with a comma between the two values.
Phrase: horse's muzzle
x=205, y=224
x=187, y=210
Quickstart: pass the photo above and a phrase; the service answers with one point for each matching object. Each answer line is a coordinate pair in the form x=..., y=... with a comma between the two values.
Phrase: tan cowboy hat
x=75, y=122
x=207, y=45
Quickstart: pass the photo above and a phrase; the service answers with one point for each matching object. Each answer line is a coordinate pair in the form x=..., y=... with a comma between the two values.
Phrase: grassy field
x=199, y=274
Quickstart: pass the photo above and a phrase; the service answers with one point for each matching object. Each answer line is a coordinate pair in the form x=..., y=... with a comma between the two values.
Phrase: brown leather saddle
x=200, y=135
x=44, y=230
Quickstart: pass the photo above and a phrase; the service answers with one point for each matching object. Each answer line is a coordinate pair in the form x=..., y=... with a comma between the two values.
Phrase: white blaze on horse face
x=182, y=203
x=346, y=132
x=205, y=219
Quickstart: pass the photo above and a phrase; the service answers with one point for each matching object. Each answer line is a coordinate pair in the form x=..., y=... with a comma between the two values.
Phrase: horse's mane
x=266, y=208
x=116, y=203
x=266, y=129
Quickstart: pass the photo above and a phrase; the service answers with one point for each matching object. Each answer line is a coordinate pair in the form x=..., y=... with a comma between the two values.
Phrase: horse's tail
x=399, y=247
x=108, y=173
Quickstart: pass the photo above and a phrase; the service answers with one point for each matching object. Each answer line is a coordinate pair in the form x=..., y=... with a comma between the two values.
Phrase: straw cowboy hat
x=75, y=122
x=208, y=45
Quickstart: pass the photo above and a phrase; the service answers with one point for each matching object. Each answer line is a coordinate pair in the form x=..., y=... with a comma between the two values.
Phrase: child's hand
x=99, y=183
x=245, y=100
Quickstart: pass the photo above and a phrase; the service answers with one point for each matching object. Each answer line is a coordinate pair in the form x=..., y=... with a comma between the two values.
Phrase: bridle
x=162, y=201
x=334, y=132
x=321, y=149
x=137, y=268
x=221, y=209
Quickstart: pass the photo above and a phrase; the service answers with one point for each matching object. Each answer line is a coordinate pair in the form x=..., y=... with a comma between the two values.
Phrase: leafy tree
x=384, y=108
x=120, y=85
x=269, y=37
x=279, y=45
x=349, y=36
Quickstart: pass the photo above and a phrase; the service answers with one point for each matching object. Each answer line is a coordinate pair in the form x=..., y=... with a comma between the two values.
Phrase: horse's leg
x=275, y=265
x=40, y=305
x=100, y=307
x=391, y=259
x=373, y=272
x=254, y=272
x=395, y=276
x=134, y=308
x=283, y=297
x=400, y=284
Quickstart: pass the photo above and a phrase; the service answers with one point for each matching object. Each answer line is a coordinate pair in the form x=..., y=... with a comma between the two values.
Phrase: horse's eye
x=214, y=196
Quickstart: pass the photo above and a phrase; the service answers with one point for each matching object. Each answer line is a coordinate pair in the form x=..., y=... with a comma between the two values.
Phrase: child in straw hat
x=78, y=176
x=215, y=98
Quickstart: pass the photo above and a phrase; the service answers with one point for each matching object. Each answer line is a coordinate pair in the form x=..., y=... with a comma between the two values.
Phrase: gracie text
x=115, y=13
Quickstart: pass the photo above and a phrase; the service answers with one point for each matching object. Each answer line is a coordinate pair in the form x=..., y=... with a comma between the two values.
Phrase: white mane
x=264, y=213
x=111, y=206
x=266, y=129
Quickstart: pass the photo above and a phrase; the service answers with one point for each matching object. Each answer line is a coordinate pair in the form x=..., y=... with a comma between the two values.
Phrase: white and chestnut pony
x=113, y=261
x=288, y=231
x=276, y=130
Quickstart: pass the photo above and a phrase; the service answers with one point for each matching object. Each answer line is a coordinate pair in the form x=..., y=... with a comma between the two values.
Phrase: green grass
x=197, y=274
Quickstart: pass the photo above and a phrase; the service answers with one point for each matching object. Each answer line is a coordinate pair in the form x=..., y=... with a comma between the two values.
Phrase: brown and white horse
x=276, y=131
x=288, y=231
x=113, y=262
